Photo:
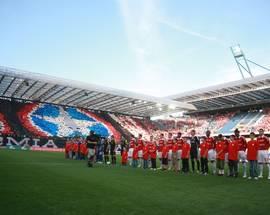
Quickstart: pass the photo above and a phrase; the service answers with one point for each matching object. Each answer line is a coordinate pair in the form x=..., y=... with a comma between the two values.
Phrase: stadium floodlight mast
x=239, y=56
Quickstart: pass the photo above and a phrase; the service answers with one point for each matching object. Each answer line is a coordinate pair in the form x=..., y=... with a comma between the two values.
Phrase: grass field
x=46, y=183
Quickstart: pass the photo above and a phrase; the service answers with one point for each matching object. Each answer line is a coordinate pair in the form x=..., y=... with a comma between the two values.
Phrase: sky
x=154, y=47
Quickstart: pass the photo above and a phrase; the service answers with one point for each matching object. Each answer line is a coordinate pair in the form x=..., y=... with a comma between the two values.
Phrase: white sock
x=261, y=170
x=214, y=167
x=244, y=169
x=170, y=164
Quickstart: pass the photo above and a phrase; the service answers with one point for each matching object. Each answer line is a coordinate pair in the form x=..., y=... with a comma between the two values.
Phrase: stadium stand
x=49, y=120
x=4, y=126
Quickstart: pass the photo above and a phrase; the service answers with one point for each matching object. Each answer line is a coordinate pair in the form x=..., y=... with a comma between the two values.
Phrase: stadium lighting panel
x=241, y=60
x=237, y=51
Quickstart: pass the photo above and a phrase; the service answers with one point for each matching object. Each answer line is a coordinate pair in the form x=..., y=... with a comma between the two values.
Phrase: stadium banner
x=34, y=144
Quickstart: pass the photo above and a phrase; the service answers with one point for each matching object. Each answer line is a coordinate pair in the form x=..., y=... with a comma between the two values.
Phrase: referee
x=91, y=142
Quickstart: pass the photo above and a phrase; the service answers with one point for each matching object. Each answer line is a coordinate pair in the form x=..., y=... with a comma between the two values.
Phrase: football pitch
x=46, y=183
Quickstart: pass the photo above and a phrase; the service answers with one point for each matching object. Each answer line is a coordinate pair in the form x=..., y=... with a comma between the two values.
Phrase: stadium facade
x=45, y=107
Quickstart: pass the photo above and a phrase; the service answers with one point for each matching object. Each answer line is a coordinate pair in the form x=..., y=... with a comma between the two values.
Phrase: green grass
x=46, y=183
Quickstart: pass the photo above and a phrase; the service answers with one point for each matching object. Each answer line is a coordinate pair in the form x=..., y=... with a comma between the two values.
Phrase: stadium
x=69, y=146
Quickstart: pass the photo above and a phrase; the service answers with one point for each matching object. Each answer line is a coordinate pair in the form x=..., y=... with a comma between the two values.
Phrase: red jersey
x=132, y=143
x=233, y=149
x=140, y=144
x=146, y=152
x=252, y=150
x=165, y=151
x=263, y=142
x=75, y=147
x=135, y=153
x=83, y=149
x=242, y=143
x=180, y=143
x=221, y=148
x=204, y=149
x=211, y=142
x=153, y=150
x=161, y=143
x=124, y=157
x=170, y=143
x=68, y=146
x=185, y=150
x=175, y=147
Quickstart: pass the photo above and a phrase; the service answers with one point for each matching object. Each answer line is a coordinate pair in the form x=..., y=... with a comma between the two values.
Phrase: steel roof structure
x=250, y=91
x=28, y=86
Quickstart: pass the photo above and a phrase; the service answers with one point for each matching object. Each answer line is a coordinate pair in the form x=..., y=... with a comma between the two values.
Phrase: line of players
x=174, y=153
x=75, y=148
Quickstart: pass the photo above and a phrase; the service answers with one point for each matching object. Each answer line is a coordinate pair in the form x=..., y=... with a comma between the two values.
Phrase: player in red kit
x=180, y=142
x=204, y=148
x=83, y=150
x=263, y=156
x=164, y=153
x=124, y=156
x=242, y=155
x=135, y=156
x=131, y=148
x=68, y=148
x=140, y=144
x=221, y=149
x=145, y=155
x=153, y=153
x=212, y=151
x=185, y=156
x=252, y=154
x=169, y=144
x=233, y=149
x=161, y=143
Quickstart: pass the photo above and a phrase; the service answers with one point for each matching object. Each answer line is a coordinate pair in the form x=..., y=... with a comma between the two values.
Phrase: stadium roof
x=17, y=84
x=244, y=92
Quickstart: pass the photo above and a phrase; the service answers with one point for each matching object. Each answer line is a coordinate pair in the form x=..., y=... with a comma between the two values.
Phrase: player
x=175, y=162
x=140, y=144
x=83, y=150
x=106, y=150
x=124, y=156
x=252, y=153
x=68, y=149
x=185, y=156
x=180, y=143
x=153, y=153
x=204, y=148
x=91, y=141
x=233, y=149
x=169, y=144
x=112, y=149
x=263, y=156
x=241, y=141
x=145, y=155
x=212, y=151
x=161, y=143
x=130, y=149
x=194, y=151
x=135, y=156
x=221, y=150
x=75, y=149
x=165, y=151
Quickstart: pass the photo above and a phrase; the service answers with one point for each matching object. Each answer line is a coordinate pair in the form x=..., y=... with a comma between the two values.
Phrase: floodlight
x=237, y=51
